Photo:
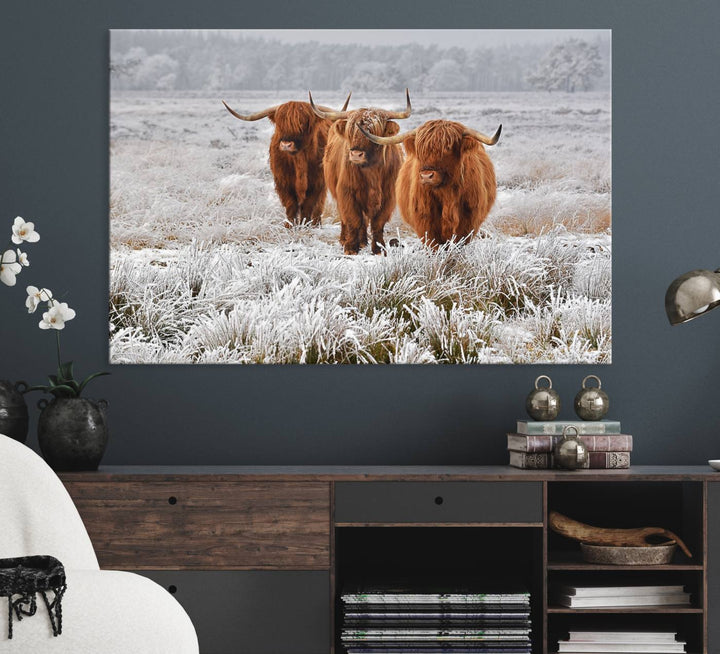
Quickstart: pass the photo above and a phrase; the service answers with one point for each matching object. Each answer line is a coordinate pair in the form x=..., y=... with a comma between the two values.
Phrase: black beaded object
x=22, y=578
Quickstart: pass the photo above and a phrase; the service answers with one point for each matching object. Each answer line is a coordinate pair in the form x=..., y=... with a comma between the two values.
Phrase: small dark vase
x=72, y=433
x=13, y=410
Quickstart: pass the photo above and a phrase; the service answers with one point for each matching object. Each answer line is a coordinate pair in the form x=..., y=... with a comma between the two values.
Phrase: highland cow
x=296, y=158
x=361, y=174
x=446, y=186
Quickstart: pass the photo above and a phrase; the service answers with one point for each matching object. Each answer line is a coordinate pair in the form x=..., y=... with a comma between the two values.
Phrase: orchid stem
x=57, y=333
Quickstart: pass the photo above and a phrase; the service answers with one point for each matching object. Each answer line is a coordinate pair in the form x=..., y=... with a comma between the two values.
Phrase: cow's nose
x=287, y=146
x=357, y=156
x=427, y=175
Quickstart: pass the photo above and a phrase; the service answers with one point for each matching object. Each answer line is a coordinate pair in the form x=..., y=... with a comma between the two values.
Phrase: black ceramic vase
x=13, y=410
x=73, y=433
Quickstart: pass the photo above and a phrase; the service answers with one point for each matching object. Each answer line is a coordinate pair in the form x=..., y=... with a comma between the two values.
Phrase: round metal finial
x=543, y=403
x=570, y=452
x=591, y=403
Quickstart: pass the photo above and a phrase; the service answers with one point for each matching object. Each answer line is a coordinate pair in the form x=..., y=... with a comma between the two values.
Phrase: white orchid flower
x=36, y=296
x=22, y=258
x=23, y=231
x=9, y=267
x=56, y=316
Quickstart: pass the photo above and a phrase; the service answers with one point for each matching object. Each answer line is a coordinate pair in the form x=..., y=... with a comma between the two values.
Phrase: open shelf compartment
x=675, y=506
x=491, y=559
x=688, y=626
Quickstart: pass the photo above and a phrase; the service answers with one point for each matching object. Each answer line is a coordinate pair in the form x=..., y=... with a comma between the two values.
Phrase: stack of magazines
x=600, y=642
x=583, y=597
x=393, y=621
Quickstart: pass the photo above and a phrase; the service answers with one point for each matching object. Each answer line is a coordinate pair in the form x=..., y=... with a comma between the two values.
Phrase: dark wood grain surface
x=149, y=524
x=393, y=473
x=713, y=569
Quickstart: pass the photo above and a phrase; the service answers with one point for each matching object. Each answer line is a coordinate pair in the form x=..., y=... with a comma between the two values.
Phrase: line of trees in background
x=171, y=60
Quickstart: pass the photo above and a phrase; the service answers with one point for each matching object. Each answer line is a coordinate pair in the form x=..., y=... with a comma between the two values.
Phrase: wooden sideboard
x=258, y=555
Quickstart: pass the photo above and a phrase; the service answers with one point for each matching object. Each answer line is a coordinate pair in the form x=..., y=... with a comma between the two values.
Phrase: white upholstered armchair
x=104, y=612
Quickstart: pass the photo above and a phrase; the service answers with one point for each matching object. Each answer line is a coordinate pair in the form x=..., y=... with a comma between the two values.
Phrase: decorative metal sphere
x=570, y=453
x=543, y=403
x=591, y=403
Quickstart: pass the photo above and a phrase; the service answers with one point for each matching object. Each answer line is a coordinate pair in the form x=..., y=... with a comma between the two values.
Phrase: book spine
x=530, y=461
x=593, y=442
x=608, y=460
x=545, y=460
x=603, y=461
x=681, y=599
x=623, y=591
x=556, y=428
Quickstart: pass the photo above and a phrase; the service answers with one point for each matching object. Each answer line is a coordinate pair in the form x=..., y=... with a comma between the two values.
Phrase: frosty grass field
x=203, y=271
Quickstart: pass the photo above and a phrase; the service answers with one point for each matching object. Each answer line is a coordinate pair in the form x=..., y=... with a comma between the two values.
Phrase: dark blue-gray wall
x=664, y=383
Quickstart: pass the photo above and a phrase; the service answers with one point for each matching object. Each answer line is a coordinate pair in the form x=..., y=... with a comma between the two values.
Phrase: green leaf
x=54, y=381
x=88, y=379
x=45, y=389
x=65, y=371
x=63, y=391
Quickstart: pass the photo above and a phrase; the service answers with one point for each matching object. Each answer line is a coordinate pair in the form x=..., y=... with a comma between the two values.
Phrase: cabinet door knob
x=439, y=500
x=172, y=589
x=172, y=500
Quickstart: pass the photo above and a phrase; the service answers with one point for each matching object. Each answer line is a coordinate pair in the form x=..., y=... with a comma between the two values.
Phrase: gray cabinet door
x=713, y=563
x=256, y=612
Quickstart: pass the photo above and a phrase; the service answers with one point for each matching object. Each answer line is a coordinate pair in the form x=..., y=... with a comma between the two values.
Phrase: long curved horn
x=402, y=114
x=329, y=114
x=487, y=140
x=347, y=102
x=256, y=116
x=386, y=140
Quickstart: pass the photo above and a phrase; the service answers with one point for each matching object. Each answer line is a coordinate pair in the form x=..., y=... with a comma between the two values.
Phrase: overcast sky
x=444, y=38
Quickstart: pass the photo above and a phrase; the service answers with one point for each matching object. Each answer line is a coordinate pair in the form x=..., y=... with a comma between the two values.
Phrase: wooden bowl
x=618, y=555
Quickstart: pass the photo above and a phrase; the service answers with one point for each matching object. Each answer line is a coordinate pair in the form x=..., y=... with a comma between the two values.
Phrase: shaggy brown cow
x=296, y=158
x=446, y=186
x=360, y=174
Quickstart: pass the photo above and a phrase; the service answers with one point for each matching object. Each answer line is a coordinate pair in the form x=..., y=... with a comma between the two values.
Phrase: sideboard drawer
x=254, y=611
x=443, y=501
x=231, y=525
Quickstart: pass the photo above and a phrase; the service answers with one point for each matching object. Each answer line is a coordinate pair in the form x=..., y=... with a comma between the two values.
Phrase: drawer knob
x=172, y=589
x=439, y=500
x=172, y=500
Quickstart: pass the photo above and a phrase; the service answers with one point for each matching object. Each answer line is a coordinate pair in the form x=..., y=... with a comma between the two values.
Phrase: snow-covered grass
x=204, y=272
x=500, y=300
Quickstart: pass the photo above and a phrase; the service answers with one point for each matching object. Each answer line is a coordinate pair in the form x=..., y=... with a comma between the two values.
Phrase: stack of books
x=531, y=446
x=584, y=597
x=387, y=621
x=597, y=642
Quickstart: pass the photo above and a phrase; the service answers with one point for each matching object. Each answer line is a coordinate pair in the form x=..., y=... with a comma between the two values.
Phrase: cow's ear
x=271, y=116
x=391, y=128
x=409, y=144
x=340, y=126
x=469, y=143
